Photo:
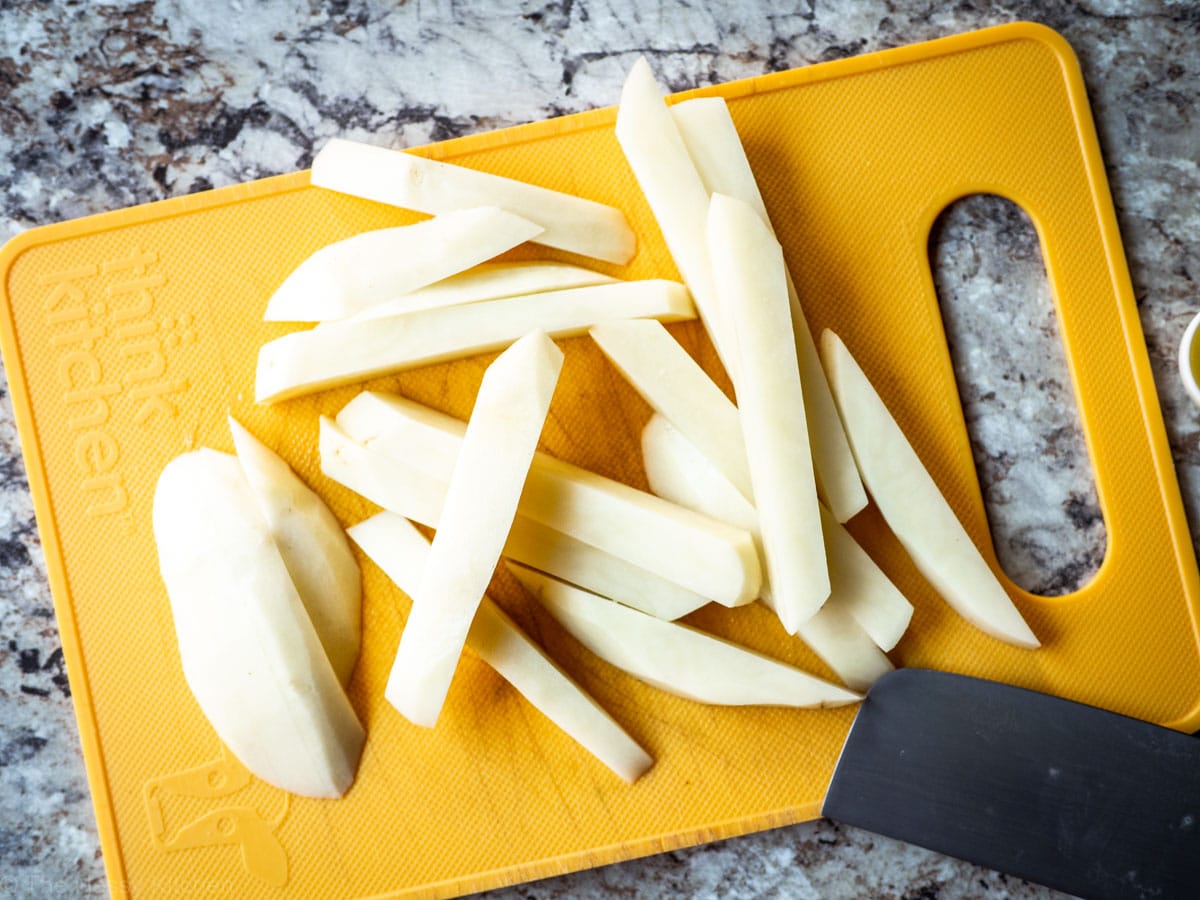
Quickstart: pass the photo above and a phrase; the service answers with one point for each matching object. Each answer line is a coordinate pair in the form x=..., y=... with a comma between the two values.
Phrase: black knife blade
x=1059, y=793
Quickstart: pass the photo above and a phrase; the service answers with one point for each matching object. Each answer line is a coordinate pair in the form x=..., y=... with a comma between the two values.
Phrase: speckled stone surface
x=102, y=106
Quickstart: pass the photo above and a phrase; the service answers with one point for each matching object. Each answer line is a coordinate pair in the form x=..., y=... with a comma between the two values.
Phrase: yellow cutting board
x=129, y=337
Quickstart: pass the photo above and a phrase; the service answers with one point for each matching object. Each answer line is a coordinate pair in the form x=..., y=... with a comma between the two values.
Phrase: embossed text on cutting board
x=112, y=359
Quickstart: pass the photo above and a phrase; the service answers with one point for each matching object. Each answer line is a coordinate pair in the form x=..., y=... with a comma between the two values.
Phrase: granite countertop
x=103, y=106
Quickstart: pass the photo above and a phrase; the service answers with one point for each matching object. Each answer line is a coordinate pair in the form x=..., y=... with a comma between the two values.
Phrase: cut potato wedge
x=413, y=182
x=711, y=558
x=313, y=546
x=676, y=658
x=481, y=500
x=867, y=593
x=250, y=653
x=489, y=281
x=713, y=143
x=672, y=186
x=914, y=508
x=395, y=483
x=716, y=150
x=591, y=568
x=837, y=637
x=678, y=471
x=675, y=386
x=346, y=277
x=402, y=553
x=344, y=352
x=752, y=287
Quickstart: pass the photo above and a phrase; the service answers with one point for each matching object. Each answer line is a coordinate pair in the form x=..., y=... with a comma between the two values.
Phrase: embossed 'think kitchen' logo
x=112, y=352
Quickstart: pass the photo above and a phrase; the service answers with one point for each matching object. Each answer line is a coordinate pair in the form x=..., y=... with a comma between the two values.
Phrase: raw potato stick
x=868, y=594
x=397, y=482
x=343, y=352
x=481, y=501
x=711, y=558
x=250, y=654
x=715, y=148
x=675, y=386
x=394, y=482
x=489, y=281
x=675, y=658
x=313, y=546
x=914, y=508
x=672, y=186
x=413, y=182
x=402, y=553
x=354, y=274
x=861, y=595
x=713, y=143
x=752, y=287
x=678, y=471
x=571, y=560
x=837, y=637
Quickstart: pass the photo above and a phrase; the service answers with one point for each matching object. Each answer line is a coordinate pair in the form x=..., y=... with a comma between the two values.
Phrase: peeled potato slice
x=481, y=501
x=862, y=598
x=402, y=553
x=313, y=546
x=711, y=558
x=675, y=386
x=837, y=637
x=676, y=658
x=867, y=593
x=713, y=143
x=344, y=352
x=593, y=569
x=369, y=268
x=489, y=281
x=914, y=508
x=250, y=653
x=396, y=482
x=426, y=185
x=752, y=288
x=672, y=186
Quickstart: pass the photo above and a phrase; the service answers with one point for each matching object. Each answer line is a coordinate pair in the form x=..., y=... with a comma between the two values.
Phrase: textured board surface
x=128, y=337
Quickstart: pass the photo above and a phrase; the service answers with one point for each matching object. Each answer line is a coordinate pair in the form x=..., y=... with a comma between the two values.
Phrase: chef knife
x=1066, y=795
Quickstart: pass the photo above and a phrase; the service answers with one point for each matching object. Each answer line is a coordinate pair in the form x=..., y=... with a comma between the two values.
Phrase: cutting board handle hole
x=1042, y=507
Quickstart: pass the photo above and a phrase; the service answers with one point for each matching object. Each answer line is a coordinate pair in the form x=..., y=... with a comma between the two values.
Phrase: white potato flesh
x=914, y=508
x=712, y=140
x=489, y=281
x=344, y=352
x=676, y=195
x=676, y=658
x=481, y=500
x=711, y=558
x=401, y=179
x=397, y=483
x=251, y=656
x=837, y=637
x=675, y=386
x=354, y=274
x=869, y=595
x=313, y=546
x=752, y=287
x=679, y=472
x=558, y=554
x=402, y=552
